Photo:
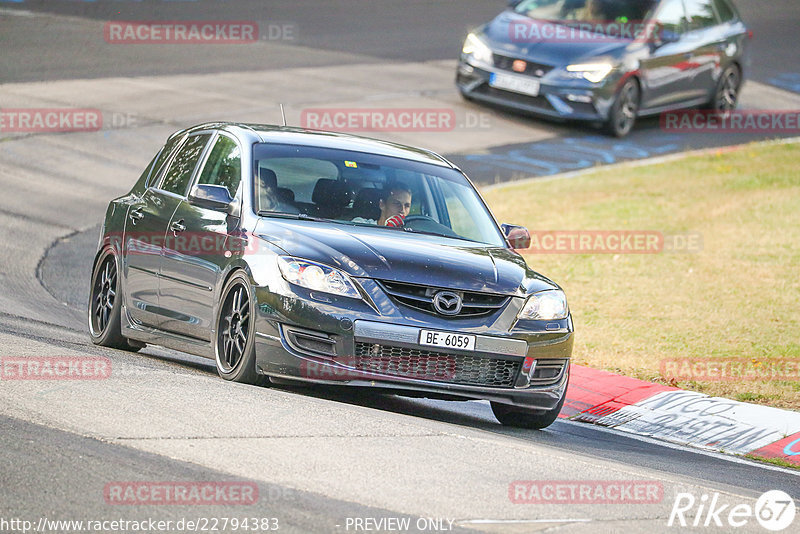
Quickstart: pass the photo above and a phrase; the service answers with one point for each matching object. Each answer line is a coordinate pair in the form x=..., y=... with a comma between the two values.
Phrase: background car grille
x=421, y=298
x=464, y=369
x=531, y=69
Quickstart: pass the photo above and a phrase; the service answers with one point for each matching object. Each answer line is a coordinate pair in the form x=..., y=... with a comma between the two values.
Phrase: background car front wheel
x=513, y=416
x=235, y=339
x=105, y=306
x=726, y=97
x=624, y=110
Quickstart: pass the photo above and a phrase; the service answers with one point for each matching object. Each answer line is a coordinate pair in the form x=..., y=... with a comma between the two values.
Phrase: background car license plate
x=518, y=84
x=447, y=340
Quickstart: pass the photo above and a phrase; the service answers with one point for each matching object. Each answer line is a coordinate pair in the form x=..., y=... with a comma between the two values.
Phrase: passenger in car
x=394, y=204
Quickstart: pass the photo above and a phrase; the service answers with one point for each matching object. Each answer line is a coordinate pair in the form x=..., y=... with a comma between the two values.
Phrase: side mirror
x=214, y=197
x=665, y=36
x=513, y=3
x=517, y=236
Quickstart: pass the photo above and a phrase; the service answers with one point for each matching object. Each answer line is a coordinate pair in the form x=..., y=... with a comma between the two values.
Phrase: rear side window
x=724, y=10
x=176, y=179
x=701, y=14
x=166, y=151
x=224, y=165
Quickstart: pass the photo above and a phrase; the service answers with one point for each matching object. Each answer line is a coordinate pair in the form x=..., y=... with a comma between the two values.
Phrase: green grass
x=780, y=462
x=738, y=297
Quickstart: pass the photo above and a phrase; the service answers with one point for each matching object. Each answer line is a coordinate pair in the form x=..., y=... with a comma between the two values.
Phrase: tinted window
x=701, y=14
x=586, y=10
x=672, y=16
x=177, y=177
x=724, y=10
x=224, y=165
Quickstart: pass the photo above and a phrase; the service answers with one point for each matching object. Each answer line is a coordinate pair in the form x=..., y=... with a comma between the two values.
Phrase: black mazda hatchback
x=607, y=61
x=290, y=255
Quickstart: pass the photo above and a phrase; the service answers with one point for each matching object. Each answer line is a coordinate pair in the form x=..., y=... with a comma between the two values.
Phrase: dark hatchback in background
x=607, y=61
x=260, y=247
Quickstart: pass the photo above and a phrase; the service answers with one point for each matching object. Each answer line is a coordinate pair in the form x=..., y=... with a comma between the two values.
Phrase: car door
x=710, y=41
x=146, y=230
x=668, y=70
x=196, y=246
x=145, y=226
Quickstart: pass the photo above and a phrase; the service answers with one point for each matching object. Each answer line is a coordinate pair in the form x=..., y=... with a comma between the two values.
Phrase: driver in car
x=395, y=203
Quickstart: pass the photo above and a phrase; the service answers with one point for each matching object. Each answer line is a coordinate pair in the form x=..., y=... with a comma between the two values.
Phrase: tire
x=624, y=110
x=726, y=94
x=516, y=417
x=234, y=341
x=105, y=309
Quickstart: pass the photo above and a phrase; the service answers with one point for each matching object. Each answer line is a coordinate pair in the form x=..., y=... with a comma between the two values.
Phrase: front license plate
x=447, y=340
x=517, y=84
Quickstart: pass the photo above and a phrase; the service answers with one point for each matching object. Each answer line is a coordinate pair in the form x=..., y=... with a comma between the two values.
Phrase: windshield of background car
x=356, y=188
x=587, y=10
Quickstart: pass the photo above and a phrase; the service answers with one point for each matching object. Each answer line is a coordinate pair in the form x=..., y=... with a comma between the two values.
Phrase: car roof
x=270, y=133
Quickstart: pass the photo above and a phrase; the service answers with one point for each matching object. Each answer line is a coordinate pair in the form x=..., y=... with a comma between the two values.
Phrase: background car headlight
x=317, y=277
x=594, y=72
x=475, y=47
x=545, y=306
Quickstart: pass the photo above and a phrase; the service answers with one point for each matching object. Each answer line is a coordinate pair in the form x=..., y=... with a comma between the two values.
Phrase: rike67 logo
x=774, y=510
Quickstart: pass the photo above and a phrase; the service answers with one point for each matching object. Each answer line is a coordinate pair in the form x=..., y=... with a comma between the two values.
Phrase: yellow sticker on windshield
x=352, y=164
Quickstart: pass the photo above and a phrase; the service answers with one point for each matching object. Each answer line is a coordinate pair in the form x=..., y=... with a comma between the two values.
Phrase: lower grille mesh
x=436, y=366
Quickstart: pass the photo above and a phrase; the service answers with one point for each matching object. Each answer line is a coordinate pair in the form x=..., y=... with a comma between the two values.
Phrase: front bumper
x=300, y=339
x=575, y=100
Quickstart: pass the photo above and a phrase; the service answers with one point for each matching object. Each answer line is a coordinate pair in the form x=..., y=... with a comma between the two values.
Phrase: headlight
x=474, y=46
x=317, y=277
x=545, y=306
x=594, y=72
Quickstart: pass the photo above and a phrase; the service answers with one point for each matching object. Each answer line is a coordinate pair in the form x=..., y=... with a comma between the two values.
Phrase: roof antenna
x=283, y=114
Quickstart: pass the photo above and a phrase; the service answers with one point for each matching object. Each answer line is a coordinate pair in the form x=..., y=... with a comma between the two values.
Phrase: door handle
x=178, y=226
x=136, y=215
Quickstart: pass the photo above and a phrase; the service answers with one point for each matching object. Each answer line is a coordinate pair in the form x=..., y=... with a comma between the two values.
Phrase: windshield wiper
x=286, y=215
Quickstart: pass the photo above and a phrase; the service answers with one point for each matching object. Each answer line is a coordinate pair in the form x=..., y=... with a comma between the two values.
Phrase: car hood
x=550, y=52
x=405, y=257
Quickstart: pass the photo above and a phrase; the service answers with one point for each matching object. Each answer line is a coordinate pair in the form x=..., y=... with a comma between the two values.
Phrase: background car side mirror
x=665, y=36
x=517, y=236
x=215, y=197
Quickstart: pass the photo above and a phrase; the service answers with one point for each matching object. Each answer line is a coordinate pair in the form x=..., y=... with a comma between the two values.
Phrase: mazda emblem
x=447, y=303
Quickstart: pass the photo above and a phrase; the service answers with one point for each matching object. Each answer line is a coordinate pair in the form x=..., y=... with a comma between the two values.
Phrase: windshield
x=586, y=10
x=361, y=189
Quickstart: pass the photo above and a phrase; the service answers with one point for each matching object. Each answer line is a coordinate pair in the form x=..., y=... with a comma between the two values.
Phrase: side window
x=179, y=174
x=168, y=148
x=224, y=165
x=724, y=10
x=700, y=13
x=672, y=16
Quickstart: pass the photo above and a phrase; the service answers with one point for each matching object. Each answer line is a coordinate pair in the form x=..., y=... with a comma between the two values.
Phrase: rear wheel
x=517, y=417
x=624, y=110
x=105, y=306
x=234, y=346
